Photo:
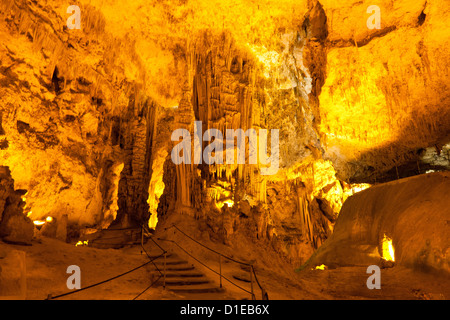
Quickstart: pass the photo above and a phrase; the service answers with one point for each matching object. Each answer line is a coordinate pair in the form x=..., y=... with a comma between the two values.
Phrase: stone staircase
x=182, y=277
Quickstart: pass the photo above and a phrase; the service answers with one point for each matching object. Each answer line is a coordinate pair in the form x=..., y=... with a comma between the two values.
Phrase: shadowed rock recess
x=87, y=116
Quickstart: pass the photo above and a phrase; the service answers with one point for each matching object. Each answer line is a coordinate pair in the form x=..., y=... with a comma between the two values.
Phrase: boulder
x=13, y=285
x=18, y=229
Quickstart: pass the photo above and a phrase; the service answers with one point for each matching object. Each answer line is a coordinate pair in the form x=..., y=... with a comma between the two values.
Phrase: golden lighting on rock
x=220, y=204
x=358, y=187
x=38, y=222
x=321, y=267
x=229, y=203
x=49, y=219
x=387, y=249
x=29, y=213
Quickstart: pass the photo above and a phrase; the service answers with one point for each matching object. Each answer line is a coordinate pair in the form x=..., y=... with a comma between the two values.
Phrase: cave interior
x=232, y=150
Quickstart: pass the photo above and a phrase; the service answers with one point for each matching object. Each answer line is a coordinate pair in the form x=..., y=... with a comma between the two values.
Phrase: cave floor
x=47, y=262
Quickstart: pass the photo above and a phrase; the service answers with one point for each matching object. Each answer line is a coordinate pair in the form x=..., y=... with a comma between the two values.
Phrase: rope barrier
x=50, y=297
x=101, y=282
x=148, y=287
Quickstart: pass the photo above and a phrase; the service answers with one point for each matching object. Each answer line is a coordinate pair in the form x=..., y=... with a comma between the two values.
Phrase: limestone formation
x=15, y=226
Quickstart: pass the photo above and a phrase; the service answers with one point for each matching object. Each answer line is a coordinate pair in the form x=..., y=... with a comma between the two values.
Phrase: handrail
x=143, y=226
x=252, y=269
x=229, y=258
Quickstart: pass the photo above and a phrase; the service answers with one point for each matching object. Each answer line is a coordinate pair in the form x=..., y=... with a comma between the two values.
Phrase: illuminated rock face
x=86, y=115
x=69, y=102
x=136, y=137
x=15, y=226
x=386, y=94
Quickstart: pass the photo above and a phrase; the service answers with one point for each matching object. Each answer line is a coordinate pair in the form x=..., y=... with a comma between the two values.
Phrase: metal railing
x=252, y=273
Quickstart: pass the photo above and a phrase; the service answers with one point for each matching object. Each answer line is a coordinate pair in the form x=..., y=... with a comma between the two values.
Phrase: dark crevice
x=2, y=131
x=421, y=19
x=23, y=127
x=4, y=144
x=57, y=81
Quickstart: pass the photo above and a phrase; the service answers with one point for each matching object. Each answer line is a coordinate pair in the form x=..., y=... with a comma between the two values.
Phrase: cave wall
x=396, y=100
x=70, y=104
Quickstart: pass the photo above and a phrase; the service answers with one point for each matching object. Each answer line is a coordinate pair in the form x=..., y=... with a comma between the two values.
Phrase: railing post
x=220, y=269
x=164, y=281
x=251, y=281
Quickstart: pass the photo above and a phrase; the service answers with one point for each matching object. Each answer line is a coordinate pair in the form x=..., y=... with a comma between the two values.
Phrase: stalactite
x=304, y=213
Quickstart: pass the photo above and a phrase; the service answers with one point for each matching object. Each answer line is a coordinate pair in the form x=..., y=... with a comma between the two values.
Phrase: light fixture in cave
x=82, y=243
x=38, y=224
x=387, y=249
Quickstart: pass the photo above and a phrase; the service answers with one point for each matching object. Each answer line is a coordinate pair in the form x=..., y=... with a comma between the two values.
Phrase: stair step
x=192, y=290
x=183, y=282
x=184, y=275
x=181, y=276
x=244, y=278
x=170, y=262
